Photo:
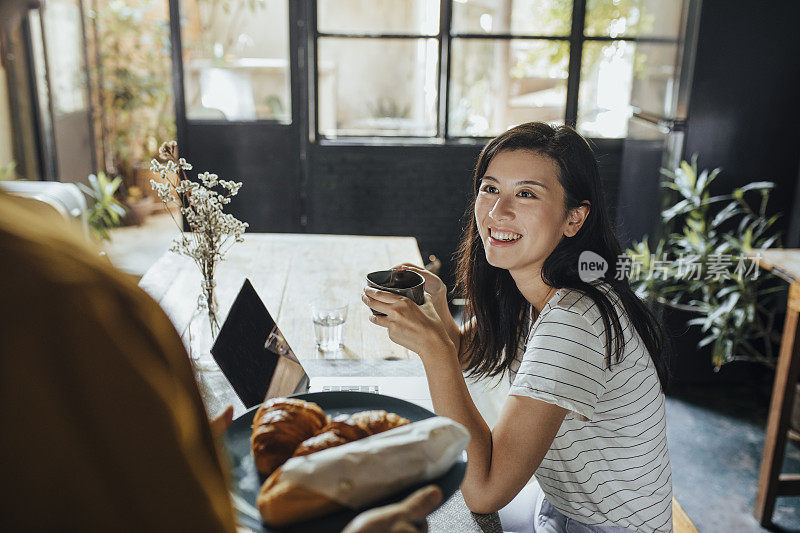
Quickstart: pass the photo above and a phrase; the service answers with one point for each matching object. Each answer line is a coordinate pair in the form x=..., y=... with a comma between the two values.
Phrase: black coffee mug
x=403, y=282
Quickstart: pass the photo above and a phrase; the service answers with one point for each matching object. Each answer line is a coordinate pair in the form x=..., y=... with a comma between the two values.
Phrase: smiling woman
x=542, y=183
x=585, y=411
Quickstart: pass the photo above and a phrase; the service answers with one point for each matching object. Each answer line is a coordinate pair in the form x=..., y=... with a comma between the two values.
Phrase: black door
x=238, y=107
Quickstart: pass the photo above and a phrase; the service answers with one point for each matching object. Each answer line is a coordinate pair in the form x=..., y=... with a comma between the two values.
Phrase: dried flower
x=168, y=150
x=212, y=232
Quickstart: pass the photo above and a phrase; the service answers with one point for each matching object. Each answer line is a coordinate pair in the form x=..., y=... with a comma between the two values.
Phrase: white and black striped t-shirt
x=609, y=463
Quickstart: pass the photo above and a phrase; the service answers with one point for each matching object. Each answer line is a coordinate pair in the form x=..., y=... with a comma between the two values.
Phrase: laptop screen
x=253, y=354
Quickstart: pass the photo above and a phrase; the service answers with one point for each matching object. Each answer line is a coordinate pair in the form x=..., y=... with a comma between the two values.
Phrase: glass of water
x=329, y=318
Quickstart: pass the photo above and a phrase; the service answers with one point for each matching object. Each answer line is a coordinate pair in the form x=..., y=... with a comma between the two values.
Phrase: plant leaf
x=728, y=212
x=714, y=199
x=673, y=211
x=706, y=341
x=757, y=185
x=689, y=172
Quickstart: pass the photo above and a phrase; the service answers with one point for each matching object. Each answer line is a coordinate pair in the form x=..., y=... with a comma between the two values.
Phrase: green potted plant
x=105, y=211
x=704, y=269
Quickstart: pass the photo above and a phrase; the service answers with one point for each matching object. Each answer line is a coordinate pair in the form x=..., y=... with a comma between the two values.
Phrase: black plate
x=247, y=481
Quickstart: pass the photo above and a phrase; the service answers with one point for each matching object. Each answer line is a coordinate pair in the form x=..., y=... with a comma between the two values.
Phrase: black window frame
x=445, y=37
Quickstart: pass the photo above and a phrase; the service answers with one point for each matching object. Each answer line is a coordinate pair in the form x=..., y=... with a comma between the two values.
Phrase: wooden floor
x=680, y=521
x=134, y=249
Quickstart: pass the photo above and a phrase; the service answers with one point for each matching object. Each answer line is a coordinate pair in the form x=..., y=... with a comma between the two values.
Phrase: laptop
x=259, y=363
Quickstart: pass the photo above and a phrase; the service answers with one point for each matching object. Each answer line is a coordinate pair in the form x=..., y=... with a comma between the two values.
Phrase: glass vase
x=203, y=328
x=208, y=301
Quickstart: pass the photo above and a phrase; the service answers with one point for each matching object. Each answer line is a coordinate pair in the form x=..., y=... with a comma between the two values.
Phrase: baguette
x=282, y=503
x=360, y=473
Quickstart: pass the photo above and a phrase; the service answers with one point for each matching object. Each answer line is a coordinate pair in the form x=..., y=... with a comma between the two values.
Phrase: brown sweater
x=101, y=424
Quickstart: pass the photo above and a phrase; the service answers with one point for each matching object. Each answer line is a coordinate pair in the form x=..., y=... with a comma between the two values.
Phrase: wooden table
x=289, y=272
x=771, y=483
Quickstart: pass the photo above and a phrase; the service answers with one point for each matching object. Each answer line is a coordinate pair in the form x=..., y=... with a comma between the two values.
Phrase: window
x=236, y=60
x=509, y=64
x=628, y=59
x=473, y=68
x=377, y=67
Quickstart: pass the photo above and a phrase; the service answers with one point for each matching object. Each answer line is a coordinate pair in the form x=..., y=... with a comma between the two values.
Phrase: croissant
x=347, y=428
x=378, y=421
x=279, y=426
x=340, y=430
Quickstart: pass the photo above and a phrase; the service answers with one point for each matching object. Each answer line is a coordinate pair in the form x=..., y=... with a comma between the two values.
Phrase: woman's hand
x=417, y=327
x=433, y=285
x=437, y=290
x=407, y=516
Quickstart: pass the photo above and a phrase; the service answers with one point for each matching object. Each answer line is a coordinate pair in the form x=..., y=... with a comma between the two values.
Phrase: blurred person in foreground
x=103, y=424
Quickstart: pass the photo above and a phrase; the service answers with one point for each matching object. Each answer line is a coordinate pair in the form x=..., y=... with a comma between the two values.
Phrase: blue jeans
x=530, y=512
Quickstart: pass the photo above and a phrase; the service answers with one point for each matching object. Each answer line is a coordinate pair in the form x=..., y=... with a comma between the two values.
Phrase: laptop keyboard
x=350, y=388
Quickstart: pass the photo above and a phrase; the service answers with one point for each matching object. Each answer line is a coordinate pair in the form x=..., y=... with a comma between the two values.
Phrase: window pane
x=653, y=87
x=611, y=73
x=64, y=40
x=517, y=17
x=377, y=86
x=235, y=60
x=633, y=18
x=496, y=84
x=399, y=17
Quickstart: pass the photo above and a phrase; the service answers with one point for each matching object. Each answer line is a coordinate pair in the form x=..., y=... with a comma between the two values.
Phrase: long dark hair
x=500, y=311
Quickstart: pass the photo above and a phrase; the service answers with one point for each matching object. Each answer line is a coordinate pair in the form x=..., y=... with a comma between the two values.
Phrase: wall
x=269, y=199
x=743, y=113
x=422, y=191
